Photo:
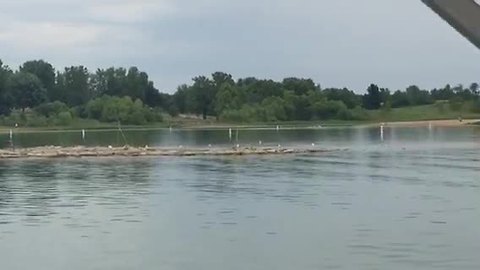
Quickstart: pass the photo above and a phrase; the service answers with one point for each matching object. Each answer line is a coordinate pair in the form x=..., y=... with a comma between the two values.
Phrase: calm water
x=411, y=201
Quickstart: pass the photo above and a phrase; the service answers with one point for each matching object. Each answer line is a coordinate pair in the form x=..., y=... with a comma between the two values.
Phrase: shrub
x=63, y=119
x=51, y=109
x=36, y=121
x=125, y=110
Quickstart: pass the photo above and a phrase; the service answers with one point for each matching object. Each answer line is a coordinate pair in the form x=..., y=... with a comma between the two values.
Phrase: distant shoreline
x=254, y=126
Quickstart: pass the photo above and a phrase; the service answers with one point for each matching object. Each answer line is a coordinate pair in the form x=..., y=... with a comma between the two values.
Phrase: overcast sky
x=338, y=43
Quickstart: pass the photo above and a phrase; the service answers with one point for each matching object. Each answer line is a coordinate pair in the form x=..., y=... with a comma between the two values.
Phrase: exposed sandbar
x=128, y=151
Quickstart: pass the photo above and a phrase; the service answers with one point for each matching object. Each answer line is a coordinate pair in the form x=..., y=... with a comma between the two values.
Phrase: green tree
x=445, y=93
x=26, y=90
x=297, y=107
x=349, y=98
x=229, y=97
x=51, y=109
x=74, y=86
x=474, y=88
x=221, y=78
x=373, y=99
x=299, y=86
x=201, y=96
x=45, y=73
x=180, y=98
x=417, y=96
x=6, y=100
x=400, y=99
x=273, y=109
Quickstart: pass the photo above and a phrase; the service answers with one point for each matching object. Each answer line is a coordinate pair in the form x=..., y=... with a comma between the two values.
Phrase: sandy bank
x=63, y=152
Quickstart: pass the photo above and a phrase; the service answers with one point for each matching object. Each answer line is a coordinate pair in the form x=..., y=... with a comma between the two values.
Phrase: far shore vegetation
x=36, y=95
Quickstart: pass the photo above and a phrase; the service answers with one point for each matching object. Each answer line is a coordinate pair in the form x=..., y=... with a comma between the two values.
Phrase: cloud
x=338, y=43
x=49, y=35
x=130, y=11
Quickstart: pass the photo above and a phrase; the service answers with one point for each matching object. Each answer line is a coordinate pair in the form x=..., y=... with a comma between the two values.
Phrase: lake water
x=409, y=201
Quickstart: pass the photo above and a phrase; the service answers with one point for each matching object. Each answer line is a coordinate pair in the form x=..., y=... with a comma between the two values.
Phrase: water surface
x=409, y=201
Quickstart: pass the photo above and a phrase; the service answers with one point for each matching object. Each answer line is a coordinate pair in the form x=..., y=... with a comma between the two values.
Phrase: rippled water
x=410, y=201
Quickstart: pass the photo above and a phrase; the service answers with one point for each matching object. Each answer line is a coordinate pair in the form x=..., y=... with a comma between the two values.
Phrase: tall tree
x=417, y=96
x=44, y=72
x=349, y=98
x=373, y=99
x=474, y=88
x=202, y=94
x=137, y=84
x=5, y=97
x=74, y=83
x=26, y=90
x=299, y=86
x=221, y=78
x=180, y=98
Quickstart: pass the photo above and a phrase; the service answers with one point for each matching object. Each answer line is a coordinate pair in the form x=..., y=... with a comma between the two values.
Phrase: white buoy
x=230, y=134
x=83, y=134
x=110, y=147
x=278, y=128
x=209, y=146
x=313, y=144
x=259, y=142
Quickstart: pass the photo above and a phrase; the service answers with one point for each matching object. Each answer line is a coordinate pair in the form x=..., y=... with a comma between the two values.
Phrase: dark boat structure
x=463, y=15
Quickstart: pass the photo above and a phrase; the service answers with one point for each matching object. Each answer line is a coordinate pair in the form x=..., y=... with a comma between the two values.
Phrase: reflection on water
x=407, y=202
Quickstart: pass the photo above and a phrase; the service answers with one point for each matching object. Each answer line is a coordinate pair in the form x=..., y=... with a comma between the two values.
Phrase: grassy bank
x=438, y=111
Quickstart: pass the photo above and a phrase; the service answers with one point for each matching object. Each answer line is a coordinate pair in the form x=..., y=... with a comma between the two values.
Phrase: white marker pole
x=11, y=139
x=382, y=132
x=83, y=135
x=230, y=134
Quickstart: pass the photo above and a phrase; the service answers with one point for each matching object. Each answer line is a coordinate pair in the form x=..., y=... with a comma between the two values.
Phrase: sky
x=337, y=43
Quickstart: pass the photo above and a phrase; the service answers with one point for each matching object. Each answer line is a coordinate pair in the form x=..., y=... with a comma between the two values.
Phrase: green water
x=409, y=201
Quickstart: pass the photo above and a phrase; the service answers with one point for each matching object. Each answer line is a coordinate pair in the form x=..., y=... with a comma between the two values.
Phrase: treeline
x=37, y=94
x=292, y=99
